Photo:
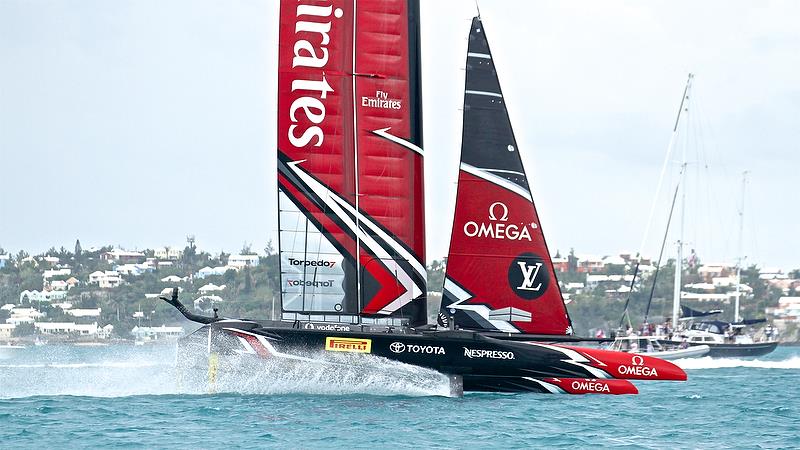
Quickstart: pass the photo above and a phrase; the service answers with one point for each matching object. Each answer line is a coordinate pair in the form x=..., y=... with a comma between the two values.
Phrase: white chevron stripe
x=552, y=388
x=490, y=94
x=481, y=310
x=383, y=132
x=338, y=206
x=575, y=358
x=500, y=181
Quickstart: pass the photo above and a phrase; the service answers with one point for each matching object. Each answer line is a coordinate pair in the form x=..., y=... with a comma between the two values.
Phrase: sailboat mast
x=740, y=256
x=676, y=298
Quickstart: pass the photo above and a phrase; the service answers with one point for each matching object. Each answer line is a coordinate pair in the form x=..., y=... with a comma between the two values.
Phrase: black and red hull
x=477, y=362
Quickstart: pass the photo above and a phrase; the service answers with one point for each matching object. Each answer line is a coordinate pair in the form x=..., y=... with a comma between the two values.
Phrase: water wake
x=127, y=371
x=726, y=363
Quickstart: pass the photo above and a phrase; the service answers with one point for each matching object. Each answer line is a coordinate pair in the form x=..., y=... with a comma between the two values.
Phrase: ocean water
x=147, y=397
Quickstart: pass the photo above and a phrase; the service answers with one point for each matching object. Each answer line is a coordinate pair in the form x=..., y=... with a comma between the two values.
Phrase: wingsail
x=351, y=208
x=499, y=274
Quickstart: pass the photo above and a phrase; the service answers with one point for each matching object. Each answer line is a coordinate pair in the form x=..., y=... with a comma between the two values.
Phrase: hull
x=473, y=361
x=691, y=352
x=737, y=350
x=741, y=350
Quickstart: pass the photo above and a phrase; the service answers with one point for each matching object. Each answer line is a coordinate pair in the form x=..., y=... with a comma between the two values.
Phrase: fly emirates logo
x=312, y=36
x=498, y=227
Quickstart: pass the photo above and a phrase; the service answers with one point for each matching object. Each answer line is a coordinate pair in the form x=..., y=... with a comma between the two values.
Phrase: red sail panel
x=316, y=153
x=499, y=273
x=498, y=270
x=390, y=173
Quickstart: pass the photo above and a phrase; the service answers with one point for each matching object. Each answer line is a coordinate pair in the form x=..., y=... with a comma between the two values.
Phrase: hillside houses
x=168, y=253
x=174, y=279
x=212, y=271
x=209, y=288
x=19, y=315
x=105, y=279
x=122, y=257
x=35, y=296
x=787, y=311
x=242, y=261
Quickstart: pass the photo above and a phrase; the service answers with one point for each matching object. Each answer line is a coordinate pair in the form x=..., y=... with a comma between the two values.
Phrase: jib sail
x=349, y=161
x=499, y=275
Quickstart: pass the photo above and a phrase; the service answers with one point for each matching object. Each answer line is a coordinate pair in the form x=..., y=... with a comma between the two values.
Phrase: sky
x=138, y=122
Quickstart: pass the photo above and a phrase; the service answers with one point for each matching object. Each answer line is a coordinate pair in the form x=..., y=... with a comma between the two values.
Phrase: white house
x=134, y=269
x=209, y=271
x=59, y=285
x=6, y=330
x=788, y=309
x=711, y=270
x=78, y=312
x=105, y=279
x=105, y=332
x=156, y=333
x=708, y=287
x=44, y=296
x=173, y=279
x=24, y=315
x=50, y=273
x=122, y=256
x=211, y=287
x=723, y=281
x=4, y=260
x=242, y=261
x=66, y=328
x=168, y=253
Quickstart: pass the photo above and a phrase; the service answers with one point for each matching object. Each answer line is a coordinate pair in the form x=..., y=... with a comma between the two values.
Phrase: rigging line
x=664, y=166
x=630, y=293
x=661, y=254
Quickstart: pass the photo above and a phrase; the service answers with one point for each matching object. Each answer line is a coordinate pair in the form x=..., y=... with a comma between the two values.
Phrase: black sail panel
x=488, y=139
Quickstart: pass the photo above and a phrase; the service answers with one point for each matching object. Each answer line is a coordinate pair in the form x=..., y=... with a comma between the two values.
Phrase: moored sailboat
x=352, y=247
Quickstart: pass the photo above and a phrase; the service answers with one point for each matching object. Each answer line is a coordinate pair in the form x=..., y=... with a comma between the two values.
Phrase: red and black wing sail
x=499, y=273
x=350, y=160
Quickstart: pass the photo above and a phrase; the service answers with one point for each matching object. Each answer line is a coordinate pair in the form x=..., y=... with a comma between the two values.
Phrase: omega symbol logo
x=498, y=206
x=637, y=360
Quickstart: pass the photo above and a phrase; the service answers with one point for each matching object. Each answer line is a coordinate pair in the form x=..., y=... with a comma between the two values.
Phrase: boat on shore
x=351, y=221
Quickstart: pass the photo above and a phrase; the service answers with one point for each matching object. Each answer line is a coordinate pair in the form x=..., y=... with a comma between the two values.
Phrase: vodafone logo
x=497, y=226
x=638, y=368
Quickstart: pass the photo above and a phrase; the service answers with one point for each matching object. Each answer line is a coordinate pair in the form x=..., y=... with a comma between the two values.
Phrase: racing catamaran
x=351, y=207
